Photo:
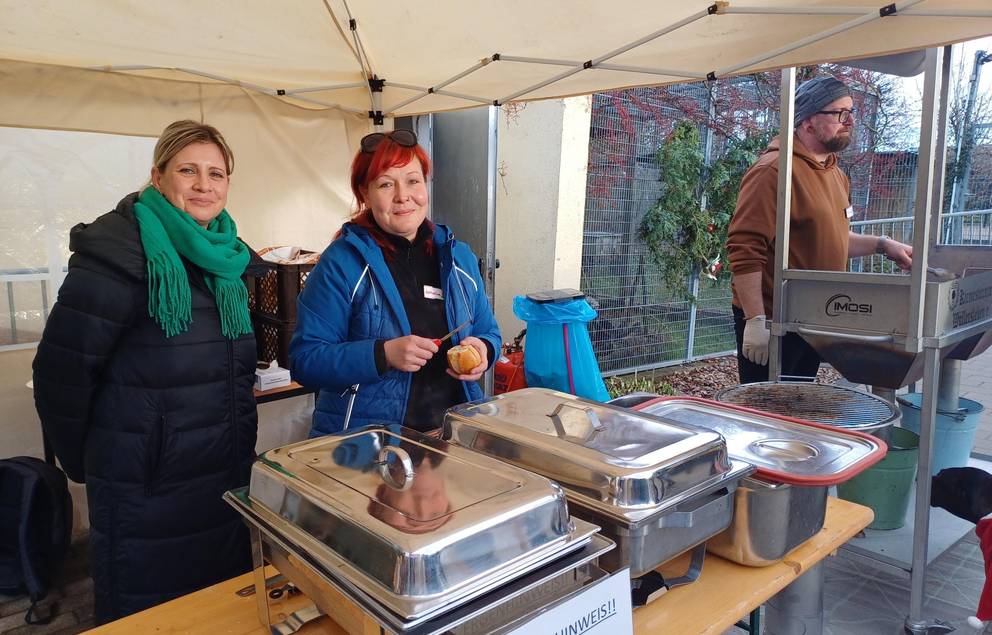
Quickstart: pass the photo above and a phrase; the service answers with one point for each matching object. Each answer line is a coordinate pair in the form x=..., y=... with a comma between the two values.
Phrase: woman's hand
x=476, y=372
x=409, y=353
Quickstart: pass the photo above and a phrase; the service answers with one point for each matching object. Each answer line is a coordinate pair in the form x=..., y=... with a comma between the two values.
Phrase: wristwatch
x=880, y=245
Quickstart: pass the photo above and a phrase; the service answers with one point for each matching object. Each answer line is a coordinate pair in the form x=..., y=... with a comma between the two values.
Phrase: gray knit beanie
x=813, y=95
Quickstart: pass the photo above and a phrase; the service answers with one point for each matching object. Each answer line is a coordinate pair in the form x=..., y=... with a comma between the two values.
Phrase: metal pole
x=921, y=525
x=690, y=340
x=492, y=263
x=940, y=167
x=931, y=365
x=924, y=186
x=965, y=132
x=783, y=211
x=949, y=386
x=13, y=314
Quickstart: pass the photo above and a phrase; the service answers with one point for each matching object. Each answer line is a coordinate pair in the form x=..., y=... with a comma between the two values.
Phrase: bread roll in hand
x=463, y=358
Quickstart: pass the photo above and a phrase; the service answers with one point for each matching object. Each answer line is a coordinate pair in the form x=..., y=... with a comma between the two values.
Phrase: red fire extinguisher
x=508, y=372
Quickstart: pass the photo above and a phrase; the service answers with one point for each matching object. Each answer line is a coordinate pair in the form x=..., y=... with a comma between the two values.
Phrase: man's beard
x=837, y=143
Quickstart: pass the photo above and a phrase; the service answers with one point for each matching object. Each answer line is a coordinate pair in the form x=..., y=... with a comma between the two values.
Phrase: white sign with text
x=601, y=609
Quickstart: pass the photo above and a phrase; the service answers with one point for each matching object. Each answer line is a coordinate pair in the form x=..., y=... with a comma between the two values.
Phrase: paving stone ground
x=976, y=384
x=71, y=601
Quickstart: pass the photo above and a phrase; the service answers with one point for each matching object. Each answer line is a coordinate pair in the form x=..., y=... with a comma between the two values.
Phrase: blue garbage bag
x=558, y=351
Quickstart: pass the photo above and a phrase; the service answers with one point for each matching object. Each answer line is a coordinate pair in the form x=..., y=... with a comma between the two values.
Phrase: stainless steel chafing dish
x=406, y=526
x=784, y=503
x=656, y=488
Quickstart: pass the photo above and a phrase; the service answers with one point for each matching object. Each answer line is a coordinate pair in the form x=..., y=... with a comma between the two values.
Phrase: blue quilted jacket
x=349, y=302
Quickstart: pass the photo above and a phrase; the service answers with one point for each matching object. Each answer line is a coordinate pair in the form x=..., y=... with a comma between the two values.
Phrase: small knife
x=437, y=342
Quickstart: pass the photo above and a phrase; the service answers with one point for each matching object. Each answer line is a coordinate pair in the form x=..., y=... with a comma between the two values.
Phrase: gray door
x=463, y=147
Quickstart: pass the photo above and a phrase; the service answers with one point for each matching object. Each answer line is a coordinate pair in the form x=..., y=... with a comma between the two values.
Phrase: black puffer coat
x=157, y=427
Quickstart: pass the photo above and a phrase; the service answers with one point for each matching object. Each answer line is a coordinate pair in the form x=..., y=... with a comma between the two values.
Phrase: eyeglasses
x=405, y=138
x=843, y=116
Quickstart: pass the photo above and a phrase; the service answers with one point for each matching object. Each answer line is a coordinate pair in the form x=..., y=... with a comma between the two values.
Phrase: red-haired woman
x=389, y=283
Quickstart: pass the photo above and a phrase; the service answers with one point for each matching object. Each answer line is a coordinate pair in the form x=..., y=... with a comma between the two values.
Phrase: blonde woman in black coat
x=143, y=379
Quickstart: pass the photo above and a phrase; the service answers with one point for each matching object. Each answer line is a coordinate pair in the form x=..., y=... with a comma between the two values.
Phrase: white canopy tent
x=287, y=82
x=447, y=54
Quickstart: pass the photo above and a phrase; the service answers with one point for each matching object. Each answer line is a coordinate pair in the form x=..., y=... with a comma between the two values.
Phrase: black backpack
x=35, y=528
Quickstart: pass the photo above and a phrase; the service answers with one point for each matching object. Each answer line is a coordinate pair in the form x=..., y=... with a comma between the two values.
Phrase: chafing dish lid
x=615, y=458
x=414, y=514
x=380, y=465
x=783, y=449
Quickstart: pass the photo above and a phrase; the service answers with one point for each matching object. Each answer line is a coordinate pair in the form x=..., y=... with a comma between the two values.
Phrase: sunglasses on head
x=405, y=138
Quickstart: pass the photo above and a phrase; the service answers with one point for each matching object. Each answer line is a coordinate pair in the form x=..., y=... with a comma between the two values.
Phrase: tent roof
x=446, y=54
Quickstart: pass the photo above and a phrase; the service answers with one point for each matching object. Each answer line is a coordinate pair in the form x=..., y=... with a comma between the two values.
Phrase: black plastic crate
x=272, y=338
x=273, y=294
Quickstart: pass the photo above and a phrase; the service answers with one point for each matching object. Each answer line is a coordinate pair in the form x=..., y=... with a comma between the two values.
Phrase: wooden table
x=292, y=389
x=725, y=593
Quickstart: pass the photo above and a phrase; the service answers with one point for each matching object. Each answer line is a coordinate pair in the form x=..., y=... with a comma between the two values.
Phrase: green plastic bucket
x=885, y=486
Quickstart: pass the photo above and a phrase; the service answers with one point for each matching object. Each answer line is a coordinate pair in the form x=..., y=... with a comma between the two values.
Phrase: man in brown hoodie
x=820, y=226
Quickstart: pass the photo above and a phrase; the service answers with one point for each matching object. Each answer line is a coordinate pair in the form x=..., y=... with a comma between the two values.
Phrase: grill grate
x=820, y=403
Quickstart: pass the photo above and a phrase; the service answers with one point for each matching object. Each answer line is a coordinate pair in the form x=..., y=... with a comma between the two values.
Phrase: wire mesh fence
x=642, y=324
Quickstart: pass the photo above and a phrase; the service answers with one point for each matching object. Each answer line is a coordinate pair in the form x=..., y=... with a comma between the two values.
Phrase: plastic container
x=273, y=294
x=885, y=487
x=272, y=338
x=954, y=432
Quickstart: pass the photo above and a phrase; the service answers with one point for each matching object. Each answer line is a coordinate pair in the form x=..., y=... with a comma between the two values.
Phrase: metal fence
x=641, y=325
x=957, y=228
x=25, y=303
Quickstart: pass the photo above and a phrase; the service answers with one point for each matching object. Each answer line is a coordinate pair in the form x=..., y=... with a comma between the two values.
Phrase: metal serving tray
x=783, y=449
x=412, y=521
x=770, y=520
x=488, y=610
x=625, y=465
x=785, y=503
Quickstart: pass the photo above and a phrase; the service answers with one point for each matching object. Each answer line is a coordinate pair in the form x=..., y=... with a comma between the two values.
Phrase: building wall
x=543, y=150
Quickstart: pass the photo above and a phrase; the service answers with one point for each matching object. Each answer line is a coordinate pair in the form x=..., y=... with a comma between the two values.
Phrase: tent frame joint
x=376, y=85
x=887, y=10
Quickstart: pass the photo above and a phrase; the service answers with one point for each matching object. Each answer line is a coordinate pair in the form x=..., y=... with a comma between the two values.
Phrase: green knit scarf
x=168, y=233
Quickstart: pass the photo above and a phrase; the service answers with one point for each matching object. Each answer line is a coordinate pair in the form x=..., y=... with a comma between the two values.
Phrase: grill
x=820, y=403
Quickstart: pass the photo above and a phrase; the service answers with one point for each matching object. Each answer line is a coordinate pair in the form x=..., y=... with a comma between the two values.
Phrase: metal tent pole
x=782, y=217
x=915, y=623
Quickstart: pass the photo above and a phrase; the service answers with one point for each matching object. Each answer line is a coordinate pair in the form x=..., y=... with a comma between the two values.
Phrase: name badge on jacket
x=433, y=293
x=849, y=212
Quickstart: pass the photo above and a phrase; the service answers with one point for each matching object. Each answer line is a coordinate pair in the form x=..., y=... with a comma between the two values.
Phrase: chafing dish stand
x=895, y=328
x=513, y=608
